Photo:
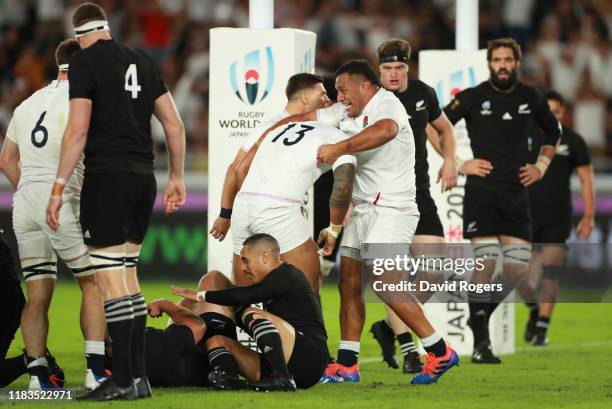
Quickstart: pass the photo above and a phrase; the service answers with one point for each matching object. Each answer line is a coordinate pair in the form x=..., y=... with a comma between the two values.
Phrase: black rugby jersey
x=498, y=125
x=422, y=106
x=284, y=292
x=551, y=196
x=123, y=85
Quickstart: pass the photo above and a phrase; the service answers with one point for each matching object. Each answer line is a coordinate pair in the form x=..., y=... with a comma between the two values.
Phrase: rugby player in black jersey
x=496, y=204
x=422, y=106
x=551, y=209
x=289, y=331
x=114, y=91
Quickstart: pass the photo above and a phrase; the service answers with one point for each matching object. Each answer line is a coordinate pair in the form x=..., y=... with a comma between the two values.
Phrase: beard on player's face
x=510, y=79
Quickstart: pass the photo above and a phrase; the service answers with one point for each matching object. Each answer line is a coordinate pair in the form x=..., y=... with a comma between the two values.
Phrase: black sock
x=119, y=316
x=497, y=297
x=347, y=357
x=11, y=369
x=534, y=309
x=138, y=335
x=478, y=322
x=95, y=362
x=386, y=328
x=542, y=325
x=269, y=343
x=438, y=349
x=222, y=358
x=406, y=343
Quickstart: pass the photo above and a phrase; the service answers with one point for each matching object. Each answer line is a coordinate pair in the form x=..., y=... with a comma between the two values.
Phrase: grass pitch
x=575, y=371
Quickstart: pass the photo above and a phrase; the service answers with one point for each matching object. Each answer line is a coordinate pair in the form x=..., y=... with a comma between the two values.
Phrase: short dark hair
x=359, y=67
x=87, y=12
x=553, y=95
x=300, y=82
x=263, y=238
x=394, y=47
x=506, y=42
x=329, y=82
x=64, y=51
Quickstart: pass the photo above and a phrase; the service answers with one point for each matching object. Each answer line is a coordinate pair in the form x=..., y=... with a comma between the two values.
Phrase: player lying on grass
x=289, y=331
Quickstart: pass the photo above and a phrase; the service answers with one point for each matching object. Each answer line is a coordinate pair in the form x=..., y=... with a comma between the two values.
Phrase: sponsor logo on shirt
x=471, y=227
x=420, y=105
x=486, y=108
x=524, y=109
x=507, y=117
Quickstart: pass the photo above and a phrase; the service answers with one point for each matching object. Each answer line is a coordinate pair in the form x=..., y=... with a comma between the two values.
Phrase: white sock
x=94, y=347
x=430, y=340
x=350, y=346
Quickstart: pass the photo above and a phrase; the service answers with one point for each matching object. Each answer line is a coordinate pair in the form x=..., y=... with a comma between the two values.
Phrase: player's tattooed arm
x=342, y=191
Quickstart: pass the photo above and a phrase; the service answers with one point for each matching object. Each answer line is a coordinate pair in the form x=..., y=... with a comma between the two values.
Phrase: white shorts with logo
x=36, y=240
x=281, y=218
x=378, y=224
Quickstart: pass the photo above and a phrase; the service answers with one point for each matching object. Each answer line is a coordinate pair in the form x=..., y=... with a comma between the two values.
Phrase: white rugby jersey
x=285, y=165
x=384, y=175
x=37, y=127
x=260, y=129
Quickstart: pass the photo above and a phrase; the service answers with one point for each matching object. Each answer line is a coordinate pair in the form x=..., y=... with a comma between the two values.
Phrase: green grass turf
x=574, y=371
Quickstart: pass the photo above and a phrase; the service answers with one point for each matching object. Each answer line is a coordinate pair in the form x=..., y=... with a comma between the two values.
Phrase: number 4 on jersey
x=131, y=81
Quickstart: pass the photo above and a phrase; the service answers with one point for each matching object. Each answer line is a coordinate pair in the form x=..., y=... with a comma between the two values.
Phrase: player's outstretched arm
x=339, y=202
x=373, y=136
x=9, y=161
x=73, y=145
x=179, y=315
x=166, y=112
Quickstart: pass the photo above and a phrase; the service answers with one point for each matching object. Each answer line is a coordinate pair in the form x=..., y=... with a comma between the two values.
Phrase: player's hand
x=326, y=243
x=448, y=175
x=154, y=309
x=220, y=228
x=188, y=294
x=174, y=195
x=529, y=174
x=53, y=209
x=328, y=153
x=585, y=227
x=476, y=167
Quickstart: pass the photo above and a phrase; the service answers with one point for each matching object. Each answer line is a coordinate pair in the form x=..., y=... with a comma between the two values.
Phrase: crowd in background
x=566, y=46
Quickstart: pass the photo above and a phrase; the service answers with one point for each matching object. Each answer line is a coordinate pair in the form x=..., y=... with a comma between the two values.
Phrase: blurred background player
x=289, y=331
x=385, y=210
x=496, y=211
x=114, y=91
x=421, y=104
x=34, y=139
x=305, y=93
x=551, y=210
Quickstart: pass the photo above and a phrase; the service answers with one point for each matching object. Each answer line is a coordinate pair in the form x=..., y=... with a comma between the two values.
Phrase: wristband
x=334, y=229
x=545, y=159
x=541, y=166
x=201, y=296
x=225, y=213
x=60, y=181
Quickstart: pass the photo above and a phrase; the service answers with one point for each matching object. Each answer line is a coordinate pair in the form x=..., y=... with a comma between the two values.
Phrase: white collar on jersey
x=91, y=27
x=63, y=67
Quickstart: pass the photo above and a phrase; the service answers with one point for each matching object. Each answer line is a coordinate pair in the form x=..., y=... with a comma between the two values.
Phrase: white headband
x=63, y=67
x=91, y=27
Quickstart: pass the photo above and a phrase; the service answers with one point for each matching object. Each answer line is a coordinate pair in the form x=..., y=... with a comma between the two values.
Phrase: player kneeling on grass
x=289, y=331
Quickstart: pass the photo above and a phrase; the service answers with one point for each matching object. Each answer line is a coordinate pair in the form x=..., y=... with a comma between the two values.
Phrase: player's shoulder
x=571, y=135
x=420, y=86
x=33, y=99
x=529, y=91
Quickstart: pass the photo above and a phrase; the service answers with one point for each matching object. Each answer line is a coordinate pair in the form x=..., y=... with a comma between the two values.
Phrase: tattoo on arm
x=343, y=186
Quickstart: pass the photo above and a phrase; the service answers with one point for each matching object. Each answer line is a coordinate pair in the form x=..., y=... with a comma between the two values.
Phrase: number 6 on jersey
x=131, y=81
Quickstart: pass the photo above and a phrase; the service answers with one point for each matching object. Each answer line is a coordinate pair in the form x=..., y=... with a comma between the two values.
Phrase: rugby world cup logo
x=252, y=77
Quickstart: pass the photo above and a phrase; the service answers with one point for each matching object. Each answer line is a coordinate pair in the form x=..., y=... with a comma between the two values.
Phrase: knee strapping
x=487, y=249
x=81, y=266
x=517, y=253
x=107, y=261
x=40, y=268
x=350, y=252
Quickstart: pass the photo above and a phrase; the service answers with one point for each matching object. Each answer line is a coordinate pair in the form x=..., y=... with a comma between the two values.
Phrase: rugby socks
x=222, y=359
x=434, y=344
x=542, y=324
x=138, y=335
x=478, y=322
x=269, y=343
x=38, y=366
x=534, y=310
x=348, y=352
x=498, y=297
x=406, y=343
x=94, y=355
x=119, y=316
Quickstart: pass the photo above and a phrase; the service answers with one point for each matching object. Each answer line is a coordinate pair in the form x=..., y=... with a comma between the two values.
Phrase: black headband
x=393, y=58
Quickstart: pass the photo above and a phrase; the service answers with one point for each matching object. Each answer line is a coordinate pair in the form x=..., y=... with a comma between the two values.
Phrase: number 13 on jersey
x=131, y=81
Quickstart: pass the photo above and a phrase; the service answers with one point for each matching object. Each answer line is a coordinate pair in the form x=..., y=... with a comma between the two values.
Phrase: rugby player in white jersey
x=274, y=177
x=385, y=209
x=34, y=138
x=305, y=93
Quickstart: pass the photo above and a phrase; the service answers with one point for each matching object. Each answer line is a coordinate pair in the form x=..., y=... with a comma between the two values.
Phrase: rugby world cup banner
x=249, y=70
x=449, y=72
